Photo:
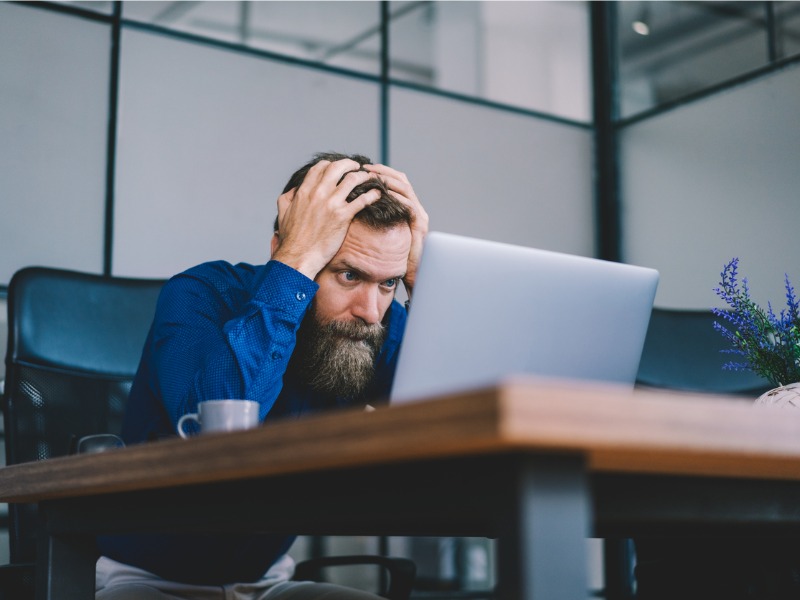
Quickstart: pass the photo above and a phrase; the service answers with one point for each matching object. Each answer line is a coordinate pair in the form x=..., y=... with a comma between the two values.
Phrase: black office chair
x=74, y=344
x=683, y=351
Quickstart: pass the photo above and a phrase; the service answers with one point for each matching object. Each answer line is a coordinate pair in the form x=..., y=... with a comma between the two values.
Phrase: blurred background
x=141, y=138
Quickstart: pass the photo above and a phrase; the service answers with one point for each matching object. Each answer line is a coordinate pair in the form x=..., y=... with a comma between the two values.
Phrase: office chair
x=74, y=344
x=682, y=351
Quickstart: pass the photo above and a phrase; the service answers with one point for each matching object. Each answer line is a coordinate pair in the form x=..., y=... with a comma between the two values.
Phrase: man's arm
x=208, y=346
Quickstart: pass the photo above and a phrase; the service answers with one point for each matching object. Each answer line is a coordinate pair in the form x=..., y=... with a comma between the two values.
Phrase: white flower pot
x=787, y=396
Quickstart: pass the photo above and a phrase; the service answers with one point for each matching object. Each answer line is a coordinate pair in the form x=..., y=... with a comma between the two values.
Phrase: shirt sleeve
x=213, y=340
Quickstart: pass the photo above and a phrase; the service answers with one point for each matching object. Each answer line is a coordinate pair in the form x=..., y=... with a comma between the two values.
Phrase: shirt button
x=300, y=296
x=276, y=355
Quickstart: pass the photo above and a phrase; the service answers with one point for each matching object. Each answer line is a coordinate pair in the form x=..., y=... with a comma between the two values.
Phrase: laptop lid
x=484, y=310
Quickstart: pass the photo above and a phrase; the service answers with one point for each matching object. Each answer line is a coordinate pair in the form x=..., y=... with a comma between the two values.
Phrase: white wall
x=207, y=140
x=715, y=179
x=53, y=119
x=494, y=174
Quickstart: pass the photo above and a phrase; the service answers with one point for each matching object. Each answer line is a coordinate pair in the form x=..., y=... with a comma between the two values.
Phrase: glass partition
x=533, y=55
x=341, y=34
x=99, y=6
x=668, y=50
x=787, y=28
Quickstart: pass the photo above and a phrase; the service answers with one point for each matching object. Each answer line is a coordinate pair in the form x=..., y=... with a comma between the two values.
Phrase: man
x=315, y=328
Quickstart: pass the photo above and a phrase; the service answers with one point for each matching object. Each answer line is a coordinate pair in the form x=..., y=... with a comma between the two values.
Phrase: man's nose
x=365, y=305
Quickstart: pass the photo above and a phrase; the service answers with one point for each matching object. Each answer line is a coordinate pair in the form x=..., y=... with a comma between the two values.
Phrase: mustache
x=356, y=330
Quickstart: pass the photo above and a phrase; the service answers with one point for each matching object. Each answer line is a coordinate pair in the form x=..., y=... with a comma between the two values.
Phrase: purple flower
x=769, y=342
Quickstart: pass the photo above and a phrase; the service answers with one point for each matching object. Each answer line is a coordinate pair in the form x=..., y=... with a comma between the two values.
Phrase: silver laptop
x=484, y=310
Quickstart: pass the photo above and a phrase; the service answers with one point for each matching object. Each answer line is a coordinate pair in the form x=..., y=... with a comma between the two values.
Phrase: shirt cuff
x=283, y=287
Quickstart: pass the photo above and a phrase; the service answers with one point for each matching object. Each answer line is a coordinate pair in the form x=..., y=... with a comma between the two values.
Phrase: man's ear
x=273, y=246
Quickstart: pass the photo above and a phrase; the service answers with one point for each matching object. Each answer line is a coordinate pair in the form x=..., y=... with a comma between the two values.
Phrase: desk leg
x=545, y=521
x=65, y=566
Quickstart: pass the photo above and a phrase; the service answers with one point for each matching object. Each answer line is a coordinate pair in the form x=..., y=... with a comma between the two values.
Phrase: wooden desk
x=540, y=466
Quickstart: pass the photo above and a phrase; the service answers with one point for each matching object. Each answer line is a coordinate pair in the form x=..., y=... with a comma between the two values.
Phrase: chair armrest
x=402, y=571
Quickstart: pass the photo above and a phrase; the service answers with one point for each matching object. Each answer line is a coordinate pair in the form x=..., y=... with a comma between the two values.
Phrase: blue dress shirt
x=225, y=331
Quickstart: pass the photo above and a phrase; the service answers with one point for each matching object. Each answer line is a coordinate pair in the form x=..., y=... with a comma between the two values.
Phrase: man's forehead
x=369, y=250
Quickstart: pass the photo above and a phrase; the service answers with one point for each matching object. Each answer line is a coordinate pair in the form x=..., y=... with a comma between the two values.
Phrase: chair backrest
x=74, y=344
x=683, y=351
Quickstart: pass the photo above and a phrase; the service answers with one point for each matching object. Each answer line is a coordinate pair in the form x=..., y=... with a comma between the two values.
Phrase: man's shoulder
x=216, y=279
x=221, y=268
x=220, y=273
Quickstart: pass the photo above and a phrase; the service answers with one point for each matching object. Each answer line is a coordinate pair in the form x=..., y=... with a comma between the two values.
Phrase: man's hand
x=313, y=218
x=400, y=188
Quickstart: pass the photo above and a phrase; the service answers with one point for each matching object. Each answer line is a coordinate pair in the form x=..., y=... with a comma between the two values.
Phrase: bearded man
x=317, y=327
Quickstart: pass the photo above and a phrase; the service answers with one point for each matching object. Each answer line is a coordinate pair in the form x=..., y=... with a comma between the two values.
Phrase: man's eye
x=390, y=283
x=349, y=276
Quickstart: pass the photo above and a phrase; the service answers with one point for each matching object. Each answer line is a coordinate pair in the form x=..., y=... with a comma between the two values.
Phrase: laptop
x=484, y=310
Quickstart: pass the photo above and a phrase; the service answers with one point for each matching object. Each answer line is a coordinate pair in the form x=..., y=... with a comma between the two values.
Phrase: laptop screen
x=485, y=310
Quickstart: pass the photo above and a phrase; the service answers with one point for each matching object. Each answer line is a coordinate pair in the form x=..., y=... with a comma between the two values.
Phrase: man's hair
x=384, y=213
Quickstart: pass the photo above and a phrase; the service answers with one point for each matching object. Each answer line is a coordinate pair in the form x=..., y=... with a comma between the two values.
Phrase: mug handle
x=183, y=419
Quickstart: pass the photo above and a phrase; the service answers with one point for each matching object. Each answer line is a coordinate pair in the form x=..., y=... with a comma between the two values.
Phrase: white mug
x=222, y=415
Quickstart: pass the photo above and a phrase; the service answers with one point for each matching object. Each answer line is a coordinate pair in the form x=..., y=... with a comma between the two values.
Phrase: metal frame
x=606, y=152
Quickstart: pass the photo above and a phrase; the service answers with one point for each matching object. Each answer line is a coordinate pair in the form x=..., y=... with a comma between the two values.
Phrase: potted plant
x=768, y=343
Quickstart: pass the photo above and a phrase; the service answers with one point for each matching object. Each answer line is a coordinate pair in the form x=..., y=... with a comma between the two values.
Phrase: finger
x=315, y=173
x=418, y=214
x=397, y=182
x=400, y=186
x=353, y=178
x=361, y=201
x=349, y=182
x=284, y=202
x=387, y=171
x=410, y=201
x=334, y=171
x=326, y=174
x=401, y=198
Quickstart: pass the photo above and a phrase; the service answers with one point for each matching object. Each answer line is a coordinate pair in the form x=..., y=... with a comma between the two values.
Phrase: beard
x=337, y=357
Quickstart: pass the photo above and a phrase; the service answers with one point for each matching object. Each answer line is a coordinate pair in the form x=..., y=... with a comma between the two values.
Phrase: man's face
x=340, y=337
x=359, y=283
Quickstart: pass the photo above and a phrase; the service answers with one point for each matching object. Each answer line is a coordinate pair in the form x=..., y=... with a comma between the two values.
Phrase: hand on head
x=315, y=216
x=400, y=188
